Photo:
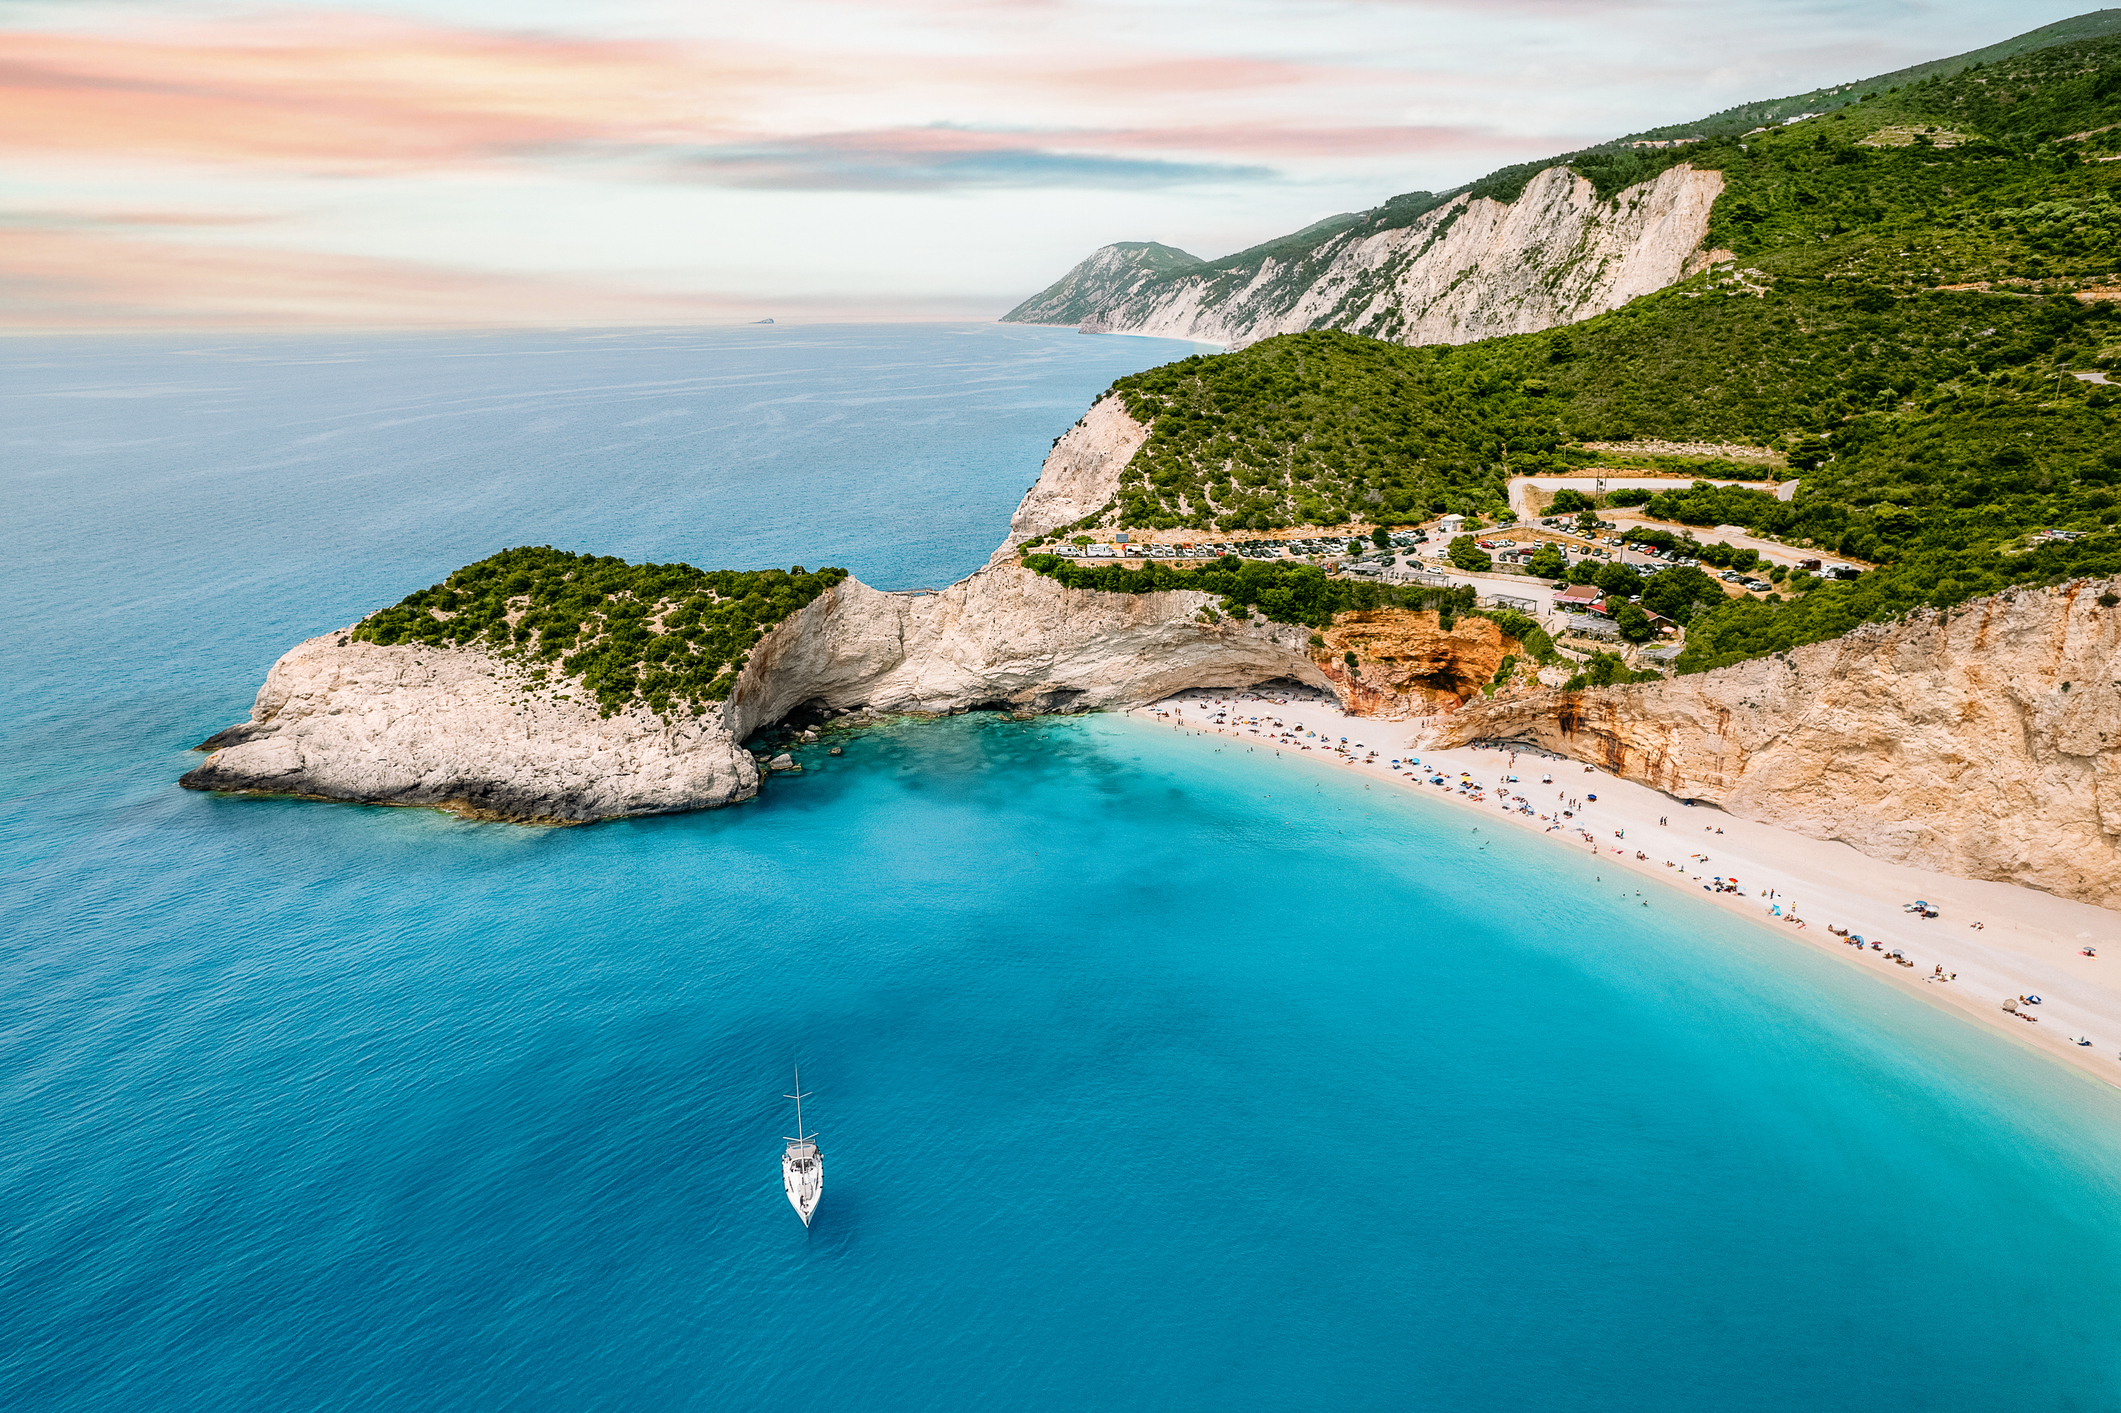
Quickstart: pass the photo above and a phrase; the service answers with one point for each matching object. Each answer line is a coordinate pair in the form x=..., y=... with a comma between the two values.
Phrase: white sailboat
x=802, y=1166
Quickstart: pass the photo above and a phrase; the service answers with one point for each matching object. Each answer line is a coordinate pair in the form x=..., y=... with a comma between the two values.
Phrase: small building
x=1453, y=524
x=1591, y=626
x=1578, y=596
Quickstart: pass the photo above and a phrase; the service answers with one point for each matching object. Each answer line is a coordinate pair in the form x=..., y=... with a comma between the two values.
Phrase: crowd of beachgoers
x=2039, y=959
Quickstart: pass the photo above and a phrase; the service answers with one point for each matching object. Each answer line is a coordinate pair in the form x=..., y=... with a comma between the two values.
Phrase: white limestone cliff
x=1983, y=740
x=1473, y=268
x=1081, y=473
x=453, y=728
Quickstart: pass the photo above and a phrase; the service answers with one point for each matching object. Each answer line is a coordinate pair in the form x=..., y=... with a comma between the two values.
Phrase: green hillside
x=1933, y=428
x=662, y=634
x=1302, y=255
x=2099, y=24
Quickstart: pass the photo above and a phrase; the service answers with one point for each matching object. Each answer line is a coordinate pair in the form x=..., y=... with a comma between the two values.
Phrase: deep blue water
x=1149, y=1076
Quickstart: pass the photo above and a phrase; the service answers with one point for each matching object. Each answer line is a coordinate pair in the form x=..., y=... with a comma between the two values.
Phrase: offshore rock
x=1471, y=269
x=1983, y=740
x=456, y=729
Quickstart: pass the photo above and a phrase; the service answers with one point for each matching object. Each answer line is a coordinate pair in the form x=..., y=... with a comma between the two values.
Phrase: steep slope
x=1394, y=272
x=1470, y=269
x=1983, y=741
x=466, y=727
x=1113, y=273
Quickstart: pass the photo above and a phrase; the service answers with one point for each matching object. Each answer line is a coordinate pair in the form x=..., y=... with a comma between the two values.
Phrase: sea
x=1151, y=1072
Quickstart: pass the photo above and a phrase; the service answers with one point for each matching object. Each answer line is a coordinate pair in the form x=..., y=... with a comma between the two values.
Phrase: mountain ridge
x=1281, y=281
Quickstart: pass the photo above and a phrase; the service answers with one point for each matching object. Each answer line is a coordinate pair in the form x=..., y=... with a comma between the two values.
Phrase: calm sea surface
x=1149, y=1076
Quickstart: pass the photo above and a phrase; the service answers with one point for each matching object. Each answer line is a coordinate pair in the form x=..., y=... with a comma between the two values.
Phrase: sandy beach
x=1989, y=943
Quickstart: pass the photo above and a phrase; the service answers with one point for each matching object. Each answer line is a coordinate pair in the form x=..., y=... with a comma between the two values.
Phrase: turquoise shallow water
x=1149, y=1075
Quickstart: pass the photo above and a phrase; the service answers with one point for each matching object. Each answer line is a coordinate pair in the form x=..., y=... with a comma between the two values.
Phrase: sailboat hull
x=803, y=1178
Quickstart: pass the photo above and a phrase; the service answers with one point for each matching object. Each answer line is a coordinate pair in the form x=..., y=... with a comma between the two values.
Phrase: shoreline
x=2028, y=943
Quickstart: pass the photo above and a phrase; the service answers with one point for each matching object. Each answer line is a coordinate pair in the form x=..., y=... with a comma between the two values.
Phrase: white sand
x=2029, y=942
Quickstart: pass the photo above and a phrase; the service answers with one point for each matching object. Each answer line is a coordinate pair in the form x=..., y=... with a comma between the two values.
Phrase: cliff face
x=1111, y=272
x=1407, y=664
x=1983, y=741
x=1081, y=473
x=455, y=728
x=1471, y=269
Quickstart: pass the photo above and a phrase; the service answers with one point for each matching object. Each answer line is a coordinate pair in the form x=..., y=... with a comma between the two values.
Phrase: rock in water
x=455, y=728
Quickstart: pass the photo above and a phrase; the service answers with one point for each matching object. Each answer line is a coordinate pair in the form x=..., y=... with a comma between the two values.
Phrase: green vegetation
x=1537, y=645
x=1281, y=590
x=1466, y=555
x=1933, y=429
x=1681, y=594
x=662, y=634
x=1605, y=670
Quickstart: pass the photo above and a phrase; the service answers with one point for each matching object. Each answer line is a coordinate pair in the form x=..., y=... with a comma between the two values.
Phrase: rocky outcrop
x=1984, y=740
x=1407, y=664
x=1080, y=475
x=1109, y=275
x=460, y=729
x=1472, y=268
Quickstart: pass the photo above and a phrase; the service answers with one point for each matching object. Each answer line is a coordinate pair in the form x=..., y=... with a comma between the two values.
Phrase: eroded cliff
x=1471, y=269
x=1984, y=740
x=1407, y=664
x=465, y=730
x=1081, y=473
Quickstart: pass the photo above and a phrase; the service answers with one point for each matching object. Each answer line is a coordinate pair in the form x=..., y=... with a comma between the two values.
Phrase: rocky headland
x=1980, y=740
x=469, y=730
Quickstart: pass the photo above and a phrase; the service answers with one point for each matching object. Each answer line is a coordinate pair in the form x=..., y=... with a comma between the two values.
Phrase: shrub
x=1606, y=670
x=1466, y=555
x=660, y=634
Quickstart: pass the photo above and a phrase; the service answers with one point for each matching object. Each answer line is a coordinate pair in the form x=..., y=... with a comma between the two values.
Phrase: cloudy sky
x=667, y=161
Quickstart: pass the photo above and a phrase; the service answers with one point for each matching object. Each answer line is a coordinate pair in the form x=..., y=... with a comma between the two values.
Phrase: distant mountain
x=1528, y=247
x=1114, y=272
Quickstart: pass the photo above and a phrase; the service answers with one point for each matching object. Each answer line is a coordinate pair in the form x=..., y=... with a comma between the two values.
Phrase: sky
x=195, y=163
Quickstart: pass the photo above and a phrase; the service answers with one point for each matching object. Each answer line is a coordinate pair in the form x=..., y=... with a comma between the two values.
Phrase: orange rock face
x=1406, y=664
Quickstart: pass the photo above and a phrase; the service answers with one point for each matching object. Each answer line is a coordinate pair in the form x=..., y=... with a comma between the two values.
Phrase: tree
x=1587, y=520
x=1676, y=593
x=1468, y=556
x=1634, y=624
x=1582, y=572
x=1355, y=547
x=1618, y=579
x=1548, y=562
x=1630, y=495
x=1567, y=499
x=1381, y=537
x=1605, y=669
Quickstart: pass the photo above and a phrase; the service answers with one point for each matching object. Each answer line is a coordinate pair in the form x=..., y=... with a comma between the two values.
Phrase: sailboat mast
x=799, y=1102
